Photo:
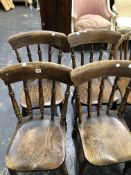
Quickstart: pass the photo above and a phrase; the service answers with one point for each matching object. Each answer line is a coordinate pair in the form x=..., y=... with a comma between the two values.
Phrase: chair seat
x=105, y=139
x=89, y=21
x=122, y=83
x=95, y=91
x=37, y=145
x=123, y=24
x=34, y=94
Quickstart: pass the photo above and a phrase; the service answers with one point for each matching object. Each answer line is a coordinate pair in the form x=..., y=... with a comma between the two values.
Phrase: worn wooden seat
x=38, y=142
x=32, y=43
x=92, y=48
x=103, y=136
x=123, y=52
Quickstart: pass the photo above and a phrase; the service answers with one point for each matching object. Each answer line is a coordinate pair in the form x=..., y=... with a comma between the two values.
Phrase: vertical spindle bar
x=126, y=49
x=89, y=101
x=82, y=55
x=124, y=100
x=73, y=58
x=41, y=99
x=59, y=56
x=39, y=53
x=14, y=104
x=18, y=56
x=78, y=106
x=49, y=53
x=29, y=54
x=64, y=109
x=111, y=98
x=101, y=94
x=53, y=100
x=91, y=53
x=28, y=100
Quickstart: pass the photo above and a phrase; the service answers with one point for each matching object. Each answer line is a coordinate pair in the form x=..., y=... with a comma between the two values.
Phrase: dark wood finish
x=38, y=142
x=27, y=39
x=125, y=54
x=92, y=44
x=56, y=15
x=105, y=138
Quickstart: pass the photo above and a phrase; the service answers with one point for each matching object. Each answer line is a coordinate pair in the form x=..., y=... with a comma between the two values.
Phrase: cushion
x=91, y=22
x=123, y=24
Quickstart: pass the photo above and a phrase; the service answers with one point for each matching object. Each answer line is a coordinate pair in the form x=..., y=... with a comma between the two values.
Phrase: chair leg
x=127, y=166
x=12, y=172
x=82, y=168
x=24, y=112
x=64, y=169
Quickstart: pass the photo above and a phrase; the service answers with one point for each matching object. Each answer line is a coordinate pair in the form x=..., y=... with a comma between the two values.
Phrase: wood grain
x=93, y=36
x=38, y=145
x=106, y=140
x=34, y=94
x=95, y=91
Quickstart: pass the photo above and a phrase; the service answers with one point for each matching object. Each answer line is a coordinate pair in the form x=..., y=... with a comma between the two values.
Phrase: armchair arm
x=114, y=9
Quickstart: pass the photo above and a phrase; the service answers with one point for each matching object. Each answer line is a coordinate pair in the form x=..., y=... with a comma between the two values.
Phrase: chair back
x=102, y=69
x=28, y=39
x=24, y=72
x=92, y=44
x=83, y=7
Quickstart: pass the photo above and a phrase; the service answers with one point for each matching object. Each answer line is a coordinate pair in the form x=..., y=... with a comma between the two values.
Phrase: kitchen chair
x=103, y=137
x=93, y=14
x=38, y=142
x=123, y=52
x=122, y=20
x=33, y=43
x=92, y=48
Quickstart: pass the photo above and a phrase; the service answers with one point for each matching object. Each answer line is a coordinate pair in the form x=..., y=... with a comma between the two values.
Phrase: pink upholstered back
x=97, y=7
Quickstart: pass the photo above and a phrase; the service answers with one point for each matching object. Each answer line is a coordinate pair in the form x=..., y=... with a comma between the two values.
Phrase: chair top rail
x=23, y=39
x=98, y=69
x=35, y=70
x=93, y=36
x=121, y=40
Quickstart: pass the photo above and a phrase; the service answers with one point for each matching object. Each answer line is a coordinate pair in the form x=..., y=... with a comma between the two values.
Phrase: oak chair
x=31, y=45
x=91, y=45
x=91, y=15
x=122, y=20
x=123, y=52
x=103, y=137
x=38, y=142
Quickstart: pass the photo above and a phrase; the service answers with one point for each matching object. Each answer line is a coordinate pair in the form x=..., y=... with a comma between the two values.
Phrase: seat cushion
x=37, y=145
x=86, y=22
x=123, y=24
x=105, y=139
x=95, y=92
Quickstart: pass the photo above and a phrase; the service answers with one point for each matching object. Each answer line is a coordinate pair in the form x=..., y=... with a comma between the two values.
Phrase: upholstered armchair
x=122, y=22
x=95, y=14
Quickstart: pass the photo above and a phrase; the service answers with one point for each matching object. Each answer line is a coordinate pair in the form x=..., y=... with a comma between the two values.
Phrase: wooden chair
x=92, y=48
x=123, y=52
x=38, y=142
x=91, y=15
x=103, y=136
x=24, y=42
